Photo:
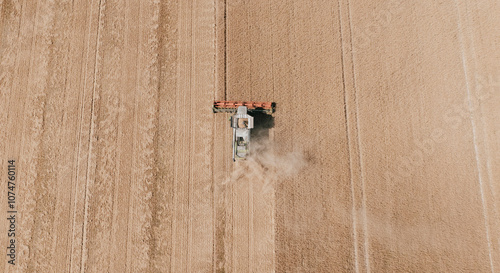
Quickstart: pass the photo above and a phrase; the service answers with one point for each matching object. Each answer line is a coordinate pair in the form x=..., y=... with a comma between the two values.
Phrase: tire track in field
x=83, y=158
x=102, y=183
x=467, y=52
x=482, y=32
x=70, y=59
x=359, y=229
x=472, y=67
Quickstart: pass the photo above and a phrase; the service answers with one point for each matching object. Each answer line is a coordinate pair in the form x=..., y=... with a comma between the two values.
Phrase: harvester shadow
x=262, y=124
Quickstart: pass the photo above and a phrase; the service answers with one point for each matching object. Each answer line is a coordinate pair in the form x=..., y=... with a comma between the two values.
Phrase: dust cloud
x=265, y=166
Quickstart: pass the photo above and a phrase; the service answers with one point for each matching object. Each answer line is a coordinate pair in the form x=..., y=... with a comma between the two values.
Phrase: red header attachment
x=252, y=106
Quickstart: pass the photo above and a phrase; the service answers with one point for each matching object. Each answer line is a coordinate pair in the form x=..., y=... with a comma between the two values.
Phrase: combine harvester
x=242, y=122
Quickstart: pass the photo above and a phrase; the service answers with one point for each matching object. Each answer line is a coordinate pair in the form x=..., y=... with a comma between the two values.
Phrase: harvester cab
x=242, y=122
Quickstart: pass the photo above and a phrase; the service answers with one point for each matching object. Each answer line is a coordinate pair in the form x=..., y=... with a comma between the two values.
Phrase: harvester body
x=241, y=122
